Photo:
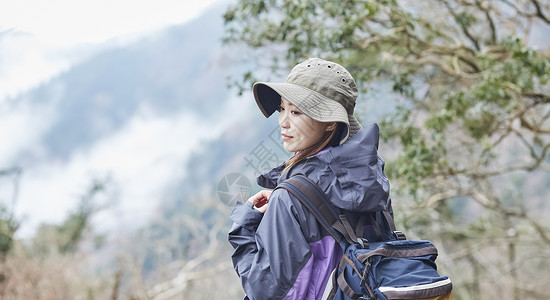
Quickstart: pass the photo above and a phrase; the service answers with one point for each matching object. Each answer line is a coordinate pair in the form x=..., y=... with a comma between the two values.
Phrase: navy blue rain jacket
x=285, y=253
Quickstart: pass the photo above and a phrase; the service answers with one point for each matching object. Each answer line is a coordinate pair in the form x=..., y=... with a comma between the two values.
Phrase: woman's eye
x=294, y=112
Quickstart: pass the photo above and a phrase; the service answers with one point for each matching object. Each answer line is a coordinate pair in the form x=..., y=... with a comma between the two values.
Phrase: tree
x=187, y=254
x=470, y=108
x=51, y=265
x=67, y=236
x=8, y=222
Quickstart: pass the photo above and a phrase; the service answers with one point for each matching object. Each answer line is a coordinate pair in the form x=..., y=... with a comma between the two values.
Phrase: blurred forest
x=460, y=90
x=467, y=146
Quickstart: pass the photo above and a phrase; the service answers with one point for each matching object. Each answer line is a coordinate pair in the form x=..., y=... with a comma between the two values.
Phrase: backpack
x=393, y=269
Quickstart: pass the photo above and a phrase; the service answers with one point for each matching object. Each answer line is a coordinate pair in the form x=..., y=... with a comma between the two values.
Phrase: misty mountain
x=175, y=70
x=135, y=112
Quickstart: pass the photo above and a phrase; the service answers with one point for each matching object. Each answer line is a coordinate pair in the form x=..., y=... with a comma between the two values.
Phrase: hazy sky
x=38, y=39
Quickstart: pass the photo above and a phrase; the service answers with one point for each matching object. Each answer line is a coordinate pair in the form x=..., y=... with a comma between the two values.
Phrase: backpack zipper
x=364, y=277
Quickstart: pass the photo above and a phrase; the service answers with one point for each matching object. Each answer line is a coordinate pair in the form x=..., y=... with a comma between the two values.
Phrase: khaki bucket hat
x=323, y=90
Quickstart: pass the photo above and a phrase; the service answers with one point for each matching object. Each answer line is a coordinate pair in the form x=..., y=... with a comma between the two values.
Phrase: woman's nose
x=283, y=120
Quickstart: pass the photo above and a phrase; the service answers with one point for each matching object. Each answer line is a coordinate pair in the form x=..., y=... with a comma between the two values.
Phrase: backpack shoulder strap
x=315, y=200
x=391, y=224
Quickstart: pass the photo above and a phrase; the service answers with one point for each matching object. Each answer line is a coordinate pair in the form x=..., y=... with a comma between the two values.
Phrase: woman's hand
x=260, y=200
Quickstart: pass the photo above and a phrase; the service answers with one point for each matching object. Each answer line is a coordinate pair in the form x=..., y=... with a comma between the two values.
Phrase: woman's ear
x=331, y=126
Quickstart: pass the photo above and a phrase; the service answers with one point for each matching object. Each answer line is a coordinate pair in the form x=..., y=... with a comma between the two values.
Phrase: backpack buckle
x=400, y=236
x=363, y=243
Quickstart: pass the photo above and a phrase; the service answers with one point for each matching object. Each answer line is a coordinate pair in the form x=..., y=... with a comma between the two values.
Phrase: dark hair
x=330, y=138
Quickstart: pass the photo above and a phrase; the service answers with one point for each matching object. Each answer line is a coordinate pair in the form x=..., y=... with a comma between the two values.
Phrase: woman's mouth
x=285, y=137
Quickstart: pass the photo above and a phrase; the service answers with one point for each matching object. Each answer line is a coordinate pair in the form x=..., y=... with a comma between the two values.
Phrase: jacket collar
x=352, y=174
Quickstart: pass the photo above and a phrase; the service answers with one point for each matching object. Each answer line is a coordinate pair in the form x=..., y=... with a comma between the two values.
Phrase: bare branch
x=449, y=51
x=495, y=205
x=193, y=269
x=428, y=60
x=540, y=13
x=378, y=38
x=171, y=288
x=464, y=29
x=538, y=98
x=532, y=128
x=483, y=7
x=116, y=286
x=538, y=8
x=433, y=199
x=541, y=230
x=459, y=53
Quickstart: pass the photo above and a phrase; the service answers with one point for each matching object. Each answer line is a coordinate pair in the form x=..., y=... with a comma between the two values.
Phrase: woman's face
x=299, y=131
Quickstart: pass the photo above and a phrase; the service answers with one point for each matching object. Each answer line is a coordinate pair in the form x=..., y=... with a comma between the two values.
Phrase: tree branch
x=191, y=270
x=541, y=230
x=490, y=20
x=540, y=13
x=495, y=205
x=449, y=51
x=463, y=27
x=433, y=199
x=538, y=98
x=526, y=124
x=538, y=8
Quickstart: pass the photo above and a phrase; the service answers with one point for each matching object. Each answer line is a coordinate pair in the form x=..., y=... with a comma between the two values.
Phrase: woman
x=281, y=252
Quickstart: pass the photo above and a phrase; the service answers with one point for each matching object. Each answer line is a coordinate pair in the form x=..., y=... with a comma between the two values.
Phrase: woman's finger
x=260, y=196
x=260, y=200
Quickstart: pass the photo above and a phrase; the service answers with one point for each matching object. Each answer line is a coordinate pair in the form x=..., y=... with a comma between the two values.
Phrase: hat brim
x=313, y=104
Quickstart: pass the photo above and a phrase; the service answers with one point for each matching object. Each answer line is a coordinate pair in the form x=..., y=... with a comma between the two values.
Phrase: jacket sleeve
x=271, y=253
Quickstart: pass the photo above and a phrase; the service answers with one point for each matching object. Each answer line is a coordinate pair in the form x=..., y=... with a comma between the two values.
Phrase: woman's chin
x=292, y=147
x=289, y=147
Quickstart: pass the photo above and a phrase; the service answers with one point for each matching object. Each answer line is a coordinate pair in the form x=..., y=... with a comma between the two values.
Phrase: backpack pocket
x=403, y=269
